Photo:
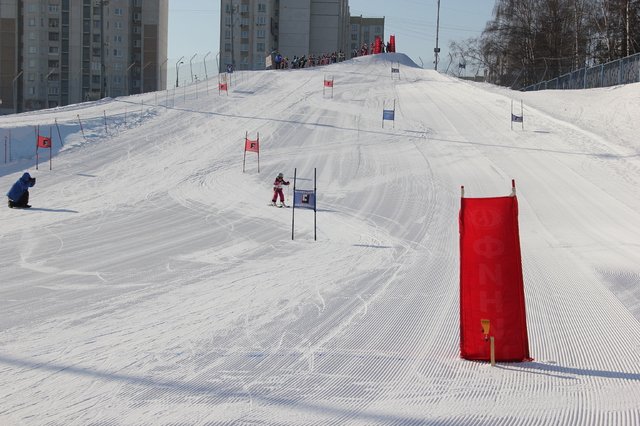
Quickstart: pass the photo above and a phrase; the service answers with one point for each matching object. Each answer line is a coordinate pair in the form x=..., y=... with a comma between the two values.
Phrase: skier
x=19, y=193
x=277, y=190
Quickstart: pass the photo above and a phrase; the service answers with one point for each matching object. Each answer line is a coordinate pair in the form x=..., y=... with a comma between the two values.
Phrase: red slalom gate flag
x=252, y=146
x=328, y=83
x=222, y=86
x=491, y=283
x=44, y=142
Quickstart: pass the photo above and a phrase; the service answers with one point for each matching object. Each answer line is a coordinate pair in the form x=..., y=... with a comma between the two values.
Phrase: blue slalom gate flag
x=395, y=70
x=516, y=118
x=388, y=114
x=304, y=198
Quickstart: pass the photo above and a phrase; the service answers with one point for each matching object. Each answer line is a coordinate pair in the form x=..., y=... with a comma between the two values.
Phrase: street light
x=160, y=74
x=127, y=77
x=191, y=65
x=15, y=91
x=437, y=49
x=142, y=76
x=204, y=61
x=180, y=61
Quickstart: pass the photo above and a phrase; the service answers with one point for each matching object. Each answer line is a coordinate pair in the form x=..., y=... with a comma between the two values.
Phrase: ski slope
x=151, y=284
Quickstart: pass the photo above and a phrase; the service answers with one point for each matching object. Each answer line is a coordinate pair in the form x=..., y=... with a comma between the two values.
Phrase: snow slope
x=151, y=283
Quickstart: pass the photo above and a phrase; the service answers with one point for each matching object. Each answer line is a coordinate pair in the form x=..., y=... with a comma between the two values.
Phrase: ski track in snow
x=151, y=283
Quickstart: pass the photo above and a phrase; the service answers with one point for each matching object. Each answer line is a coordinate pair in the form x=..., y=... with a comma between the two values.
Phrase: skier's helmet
x=280, y=175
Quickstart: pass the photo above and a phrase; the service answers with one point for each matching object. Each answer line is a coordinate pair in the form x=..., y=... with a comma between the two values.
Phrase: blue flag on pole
x=388, y=114
x=304, y=198
x=517, y=118
x=395, y=70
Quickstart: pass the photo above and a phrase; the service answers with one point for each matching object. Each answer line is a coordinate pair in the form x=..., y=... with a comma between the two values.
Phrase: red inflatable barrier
x=492, y=300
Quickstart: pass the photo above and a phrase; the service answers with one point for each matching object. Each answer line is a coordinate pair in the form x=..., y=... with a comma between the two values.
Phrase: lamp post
x=160, y=74
x=15, y=91
x=127, y=77
x=103, y=76
x=191, y=65
x=142, y=76
x=437, y=49
x=204, y=61
x=178, y=70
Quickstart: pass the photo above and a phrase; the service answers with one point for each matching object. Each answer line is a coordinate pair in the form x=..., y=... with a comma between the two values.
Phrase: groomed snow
x=151, y=284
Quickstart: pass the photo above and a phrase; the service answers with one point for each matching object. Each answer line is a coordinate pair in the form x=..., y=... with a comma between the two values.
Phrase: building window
x=32, y=22
x=244, y=8
x=96, y=24
x=117, y=53
x=262, y=7
x=261, y=20
x=32, y=63
x=244, y=34
x=32, y=8
x=33, y=49
x=244, y=47
x=244, y=21
x=261, y=33
x=354, y=28
x=54, y=23
x=227, y=47
x=117, y=11
x=227, y=34
x=117, y=38
x=31, y=76
x=260, y=47
x=227, y=21
x=54, y=64
x=354, y=37
x=32, y=90
x=117, y=25
x=117, y=66
x=53, y=50
x=54, y=36
x=53, y=91
x=53, y=8
x=137, y=29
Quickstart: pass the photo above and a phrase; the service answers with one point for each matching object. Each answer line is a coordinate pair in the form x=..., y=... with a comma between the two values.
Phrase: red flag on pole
x=328, y=83
x=44, y=142
x=491, y=282
x=252, y=146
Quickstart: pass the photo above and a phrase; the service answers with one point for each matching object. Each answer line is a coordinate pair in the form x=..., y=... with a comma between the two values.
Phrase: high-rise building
x=364, y=31
x=248, y=33
x=251, y=29
x=59, y=52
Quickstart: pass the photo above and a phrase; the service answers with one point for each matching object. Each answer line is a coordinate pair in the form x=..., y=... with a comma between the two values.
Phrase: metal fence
x=620, y=71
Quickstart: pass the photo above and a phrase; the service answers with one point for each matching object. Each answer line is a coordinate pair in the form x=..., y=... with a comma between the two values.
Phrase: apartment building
x=60, y=52
x=252, y=29
x=364, y=31
x=248, y=32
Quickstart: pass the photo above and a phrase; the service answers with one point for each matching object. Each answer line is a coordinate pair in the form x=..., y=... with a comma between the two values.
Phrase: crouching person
x=19, y=193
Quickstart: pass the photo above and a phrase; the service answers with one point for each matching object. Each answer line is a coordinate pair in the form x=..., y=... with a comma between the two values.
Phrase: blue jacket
x=20, y=187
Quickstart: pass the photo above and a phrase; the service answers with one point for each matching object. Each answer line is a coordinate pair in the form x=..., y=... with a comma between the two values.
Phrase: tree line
x=528, y=41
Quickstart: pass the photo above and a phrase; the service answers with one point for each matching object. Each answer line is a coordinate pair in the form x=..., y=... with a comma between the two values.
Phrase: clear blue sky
x=194, y=25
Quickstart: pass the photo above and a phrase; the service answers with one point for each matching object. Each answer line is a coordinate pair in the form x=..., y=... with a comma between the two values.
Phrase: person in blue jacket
x=19, y=193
